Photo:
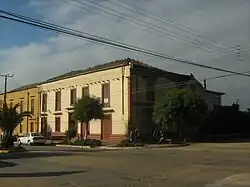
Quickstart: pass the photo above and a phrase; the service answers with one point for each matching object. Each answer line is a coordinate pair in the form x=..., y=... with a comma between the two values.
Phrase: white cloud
x=223, y=20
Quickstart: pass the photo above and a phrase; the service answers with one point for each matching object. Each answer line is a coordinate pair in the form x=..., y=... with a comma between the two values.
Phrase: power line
x=226, y=75
x=153, y=27
x=60, y=29
x=170, y=22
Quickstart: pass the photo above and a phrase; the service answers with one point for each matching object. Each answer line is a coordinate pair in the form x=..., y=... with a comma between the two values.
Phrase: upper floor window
x=72, y=96
x=106, y=95
x=58, y=101
x=85, y=91
x=44, y=102
x=11, y=104
x=32, y=107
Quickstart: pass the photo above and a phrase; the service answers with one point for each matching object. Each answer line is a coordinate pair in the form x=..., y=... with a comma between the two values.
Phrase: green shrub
x=172, y=135
x=63, y=142
x=88, y=142
x=8, y=141
x=126, y=143
x=71, y=132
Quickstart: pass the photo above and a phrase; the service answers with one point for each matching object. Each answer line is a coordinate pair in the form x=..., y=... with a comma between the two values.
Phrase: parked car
x=31, y=138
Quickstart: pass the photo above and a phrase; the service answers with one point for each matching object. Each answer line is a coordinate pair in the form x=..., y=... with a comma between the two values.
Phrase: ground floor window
x=31, y=126
x=71, y=120
x=44, y=126
x=57, y=124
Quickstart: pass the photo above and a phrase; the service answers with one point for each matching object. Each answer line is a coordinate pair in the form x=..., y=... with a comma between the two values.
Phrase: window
x=106, y=95
x=21, y=106
x=11, y=104
x=44, y=125
x=72, y=96
x=32, y=108
x=71, y=120
x=31, y=126
x=85, y=91
x=1, y=102
x=44, y=102
x=57, y=124
x=58, y=101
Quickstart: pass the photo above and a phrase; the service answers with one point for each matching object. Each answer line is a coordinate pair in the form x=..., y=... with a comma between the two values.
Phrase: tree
x=10, y=118
x=178, y=109
x=71, y=132
x=86, y=109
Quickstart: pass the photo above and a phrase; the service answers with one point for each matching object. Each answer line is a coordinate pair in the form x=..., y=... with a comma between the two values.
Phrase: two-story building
x=128, y=90
x=28, y=97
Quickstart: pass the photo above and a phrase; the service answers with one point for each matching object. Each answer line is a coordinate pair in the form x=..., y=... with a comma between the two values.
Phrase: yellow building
x=128, y=90
x=28, y=97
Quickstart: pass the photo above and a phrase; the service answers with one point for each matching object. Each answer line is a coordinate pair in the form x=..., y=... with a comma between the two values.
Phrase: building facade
x=128, y=90
x=108, y=82
x=28, y=98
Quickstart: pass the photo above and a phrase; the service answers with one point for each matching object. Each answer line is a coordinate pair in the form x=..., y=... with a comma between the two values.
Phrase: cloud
x=226, y=20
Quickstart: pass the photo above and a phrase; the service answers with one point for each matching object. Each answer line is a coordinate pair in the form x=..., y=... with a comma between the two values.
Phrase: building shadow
x=36, y=154
x=38, y=174
x=7, y=164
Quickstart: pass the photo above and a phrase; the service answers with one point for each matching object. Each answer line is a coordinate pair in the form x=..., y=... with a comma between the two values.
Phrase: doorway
x=106, y=127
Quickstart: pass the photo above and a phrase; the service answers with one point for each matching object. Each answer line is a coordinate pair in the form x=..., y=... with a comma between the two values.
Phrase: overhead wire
x=222, y=76
x=65, y=30
x=152, y=27
x=169, y=22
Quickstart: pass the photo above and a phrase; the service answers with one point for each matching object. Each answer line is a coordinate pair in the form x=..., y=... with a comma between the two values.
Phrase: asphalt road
x=201, y=165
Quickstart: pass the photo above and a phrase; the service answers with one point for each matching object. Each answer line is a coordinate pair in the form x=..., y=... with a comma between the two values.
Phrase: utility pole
x=6, y=76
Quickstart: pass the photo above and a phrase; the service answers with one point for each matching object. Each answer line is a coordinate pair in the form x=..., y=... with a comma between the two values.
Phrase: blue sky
x=34, y=55
x=16, y=34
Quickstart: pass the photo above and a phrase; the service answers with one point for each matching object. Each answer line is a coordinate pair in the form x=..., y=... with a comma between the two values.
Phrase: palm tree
x=10, y=118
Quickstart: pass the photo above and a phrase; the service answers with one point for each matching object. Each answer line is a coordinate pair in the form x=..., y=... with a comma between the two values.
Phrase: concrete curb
x=167, y=145
x=101, y=147
x=4, y=151
x=74, y=146
x=123, y=148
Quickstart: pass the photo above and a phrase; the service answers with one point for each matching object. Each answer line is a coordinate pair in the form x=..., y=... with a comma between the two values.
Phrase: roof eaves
x=215, y=92
x=83, y=72
x=25, y=87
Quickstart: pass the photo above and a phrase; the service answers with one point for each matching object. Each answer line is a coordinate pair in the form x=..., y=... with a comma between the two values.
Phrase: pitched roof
x=114, y=64
x=25, y=87
x=110, y=65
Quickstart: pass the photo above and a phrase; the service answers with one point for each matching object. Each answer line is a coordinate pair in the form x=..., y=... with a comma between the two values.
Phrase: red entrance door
x=106, y=128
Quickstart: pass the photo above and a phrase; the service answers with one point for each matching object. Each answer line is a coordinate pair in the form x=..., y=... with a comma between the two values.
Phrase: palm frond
x=10, y=118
